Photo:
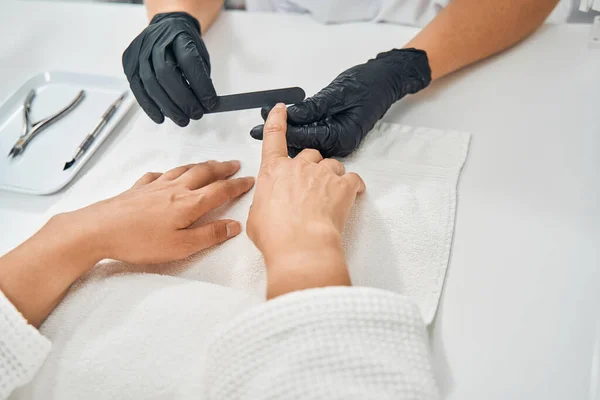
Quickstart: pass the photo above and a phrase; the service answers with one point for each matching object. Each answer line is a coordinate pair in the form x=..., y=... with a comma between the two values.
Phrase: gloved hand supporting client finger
x=335, y=120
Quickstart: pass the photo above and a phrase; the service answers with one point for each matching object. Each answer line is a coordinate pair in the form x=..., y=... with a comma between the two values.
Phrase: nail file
x=245, y=101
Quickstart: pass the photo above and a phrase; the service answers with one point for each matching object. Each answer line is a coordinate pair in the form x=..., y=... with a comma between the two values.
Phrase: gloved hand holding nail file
x=168, y=69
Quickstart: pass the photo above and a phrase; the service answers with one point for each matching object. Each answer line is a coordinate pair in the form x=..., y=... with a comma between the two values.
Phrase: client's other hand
x=299, y=211
x=154, y=221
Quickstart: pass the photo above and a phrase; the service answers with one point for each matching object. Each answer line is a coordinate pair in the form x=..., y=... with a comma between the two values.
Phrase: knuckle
x=312, y=152
x=200, y=199
x=354, y=181
x=161, y=69
x=324, y=169
x=220, y=191
x=354, y=175
x=218, y=231
x=335, y=163
x=147, y=176
x=220, y=186
x=145, y=74
x=234, y=189
x=231, y=188
x=301, y=161
x=210, y=166
x=270, y=166
x=273, y=128
x=344, y=184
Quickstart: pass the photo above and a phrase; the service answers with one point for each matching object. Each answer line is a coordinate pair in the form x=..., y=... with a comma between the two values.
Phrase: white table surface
x=520, y=313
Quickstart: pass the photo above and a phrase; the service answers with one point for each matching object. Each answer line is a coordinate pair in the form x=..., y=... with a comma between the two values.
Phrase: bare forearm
x=36, y=275
x=469, y=30
x=205, y=11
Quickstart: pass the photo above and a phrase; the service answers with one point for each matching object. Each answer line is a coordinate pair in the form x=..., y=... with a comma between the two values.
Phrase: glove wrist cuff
x=410, y=67
x=177, y=14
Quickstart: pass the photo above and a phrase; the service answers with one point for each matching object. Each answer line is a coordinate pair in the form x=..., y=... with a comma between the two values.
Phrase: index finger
x=195, y=69
x=274, y=143
x=356, y=182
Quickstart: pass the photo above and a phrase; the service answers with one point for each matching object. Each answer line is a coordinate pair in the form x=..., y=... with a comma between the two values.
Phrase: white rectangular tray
x=39, y=169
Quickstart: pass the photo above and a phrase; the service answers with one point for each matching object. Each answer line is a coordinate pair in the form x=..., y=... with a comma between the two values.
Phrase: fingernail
x=235, y=163
x=233, y=229
x=279, y=105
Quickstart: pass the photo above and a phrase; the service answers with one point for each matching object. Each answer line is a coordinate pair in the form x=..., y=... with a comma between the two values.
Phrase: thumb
x=213, y=233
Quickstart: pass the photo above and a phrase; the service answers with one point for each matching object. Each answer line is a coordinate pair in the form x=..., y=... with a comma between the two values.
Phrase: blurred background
x=575, y=16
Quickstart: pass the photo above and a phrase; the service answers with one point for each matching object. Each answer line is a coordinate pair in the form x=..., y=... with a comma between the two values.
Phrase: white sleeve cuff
x=22, y=348
x=327, y=343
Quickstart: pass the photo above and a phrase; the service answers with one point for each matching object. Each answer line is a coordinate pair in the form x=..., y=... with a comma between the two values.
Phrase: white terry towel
x=399, y=234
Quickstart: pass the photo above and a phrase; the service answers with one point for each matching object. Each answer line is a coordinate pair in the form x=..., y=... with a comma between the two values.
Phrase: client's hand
x=298, y=214
x=149, y=223
x=152, y=221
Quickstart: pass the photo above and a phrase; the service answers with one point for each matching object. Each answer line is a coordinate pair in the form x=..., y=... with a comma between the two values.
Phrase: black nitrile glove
x=168, y=69
x=335, y=120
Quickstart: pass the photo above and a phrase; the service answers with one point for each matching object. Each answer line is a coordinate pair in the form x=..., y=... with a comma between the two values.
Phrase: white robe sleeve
x=22, y=349
x=328, y=343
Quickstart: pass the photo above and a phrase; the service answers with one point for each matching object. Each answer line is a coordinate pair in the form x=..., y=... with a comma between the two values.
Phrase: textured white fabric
x=22, y=348
x=141, y=336
x=332, y=343
x=399, y=234
x=132, y=336
x=406, y=12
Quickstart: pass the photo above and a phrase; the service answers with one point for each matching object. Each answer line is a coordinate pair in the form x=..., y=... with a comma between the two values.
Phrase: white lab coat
x=406, y=12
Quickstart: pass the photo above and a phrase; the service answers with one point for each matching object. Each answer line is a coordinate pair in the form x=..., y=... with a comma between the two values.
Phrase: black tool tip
x=69, y=164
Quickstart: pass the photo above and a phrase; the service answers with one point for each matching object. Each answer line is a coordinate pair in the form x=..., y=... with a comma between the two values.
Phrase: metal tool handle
x=89, y=139
x=61, y=113
x=26, y=111
x=41, y=125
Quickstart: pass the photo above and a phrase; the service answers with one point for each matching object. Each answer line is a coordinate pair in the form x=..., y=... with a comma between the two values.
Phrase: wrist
x=318, y=264
x=37, y=274
x=75, y=237
x=410, y=68
x=175, y=12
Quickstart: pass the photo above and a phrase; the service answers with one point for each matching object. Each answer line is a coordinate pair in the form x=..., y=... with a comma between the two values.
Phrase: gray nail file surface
x=245, y=101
